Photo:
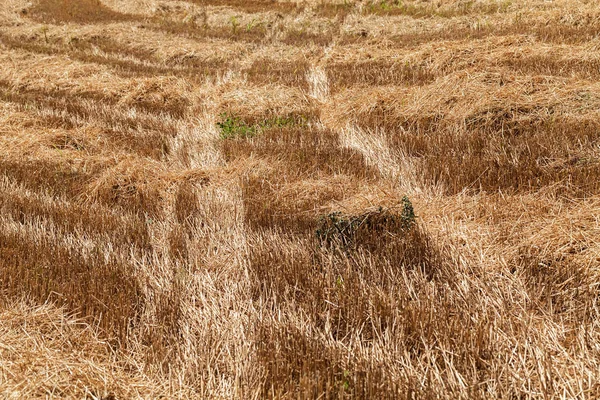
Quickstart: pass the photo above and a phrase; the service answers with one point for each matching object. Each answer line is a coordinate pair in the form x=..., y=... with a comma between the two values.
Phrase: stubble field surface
x=214, y=199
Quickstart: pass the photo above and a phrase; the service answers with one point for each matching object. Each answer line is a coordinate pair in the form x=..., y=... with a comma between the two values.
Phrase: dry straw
x=206, y=199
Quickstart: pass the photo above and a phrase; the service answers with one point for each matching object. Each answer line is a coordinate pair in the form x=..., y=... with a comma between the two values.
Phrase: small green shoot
x=235, y=23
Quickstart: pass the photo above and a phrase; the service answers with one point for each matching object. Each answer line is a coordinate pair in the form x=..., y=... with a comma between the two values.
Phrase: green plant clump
x=233, y=127
x=352, y=230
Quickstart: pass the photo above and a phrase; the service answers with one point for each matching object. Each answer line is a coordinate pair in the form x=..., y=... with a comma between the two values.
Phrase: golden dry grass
x=208, y=199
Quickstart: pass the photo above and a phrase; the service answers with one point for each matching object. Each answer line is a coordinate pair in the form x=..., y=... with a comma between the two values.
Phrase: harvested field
x=299, y=199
